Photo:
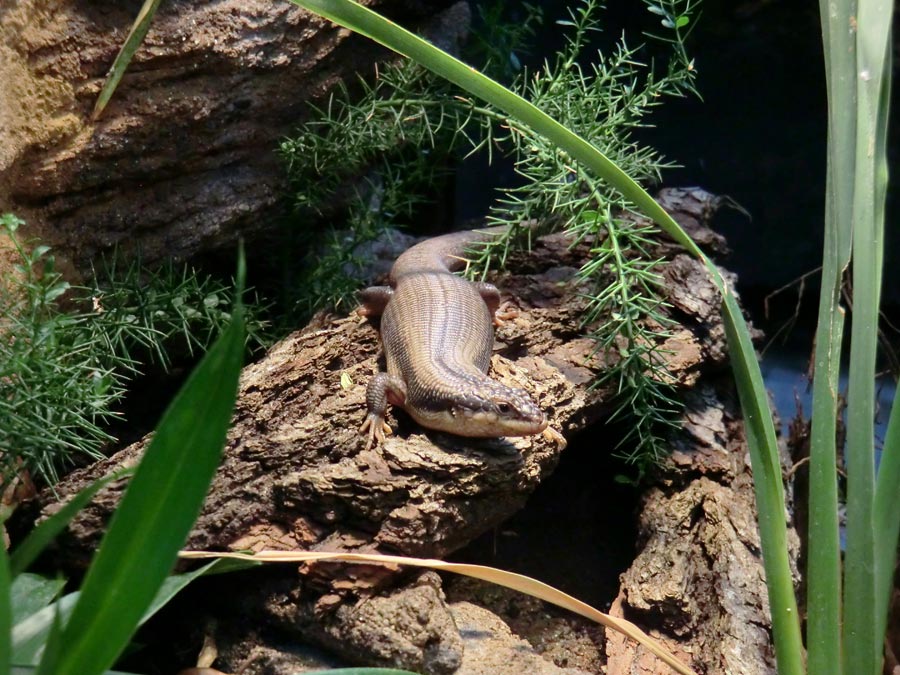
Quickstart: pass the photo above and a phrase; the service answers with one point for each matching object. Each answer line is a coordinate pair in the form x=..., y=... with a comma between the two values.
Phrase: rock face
x=182, y=159
x=295, y=474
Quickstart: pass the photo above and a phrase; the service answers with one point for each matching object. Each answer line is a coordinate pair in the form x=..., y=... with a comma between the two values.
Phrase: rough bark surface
x=699, y=571
x=295, y=475
x=182, y=159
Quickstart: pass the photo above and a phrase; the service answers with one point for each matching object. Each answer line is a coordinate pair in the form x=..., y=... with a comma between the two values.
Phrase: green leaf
x=156, y=512
x=823, y=633
x=45, y=532
x=682, y=21
x=6, y=620
x=31, y=632
x=30, y=635
x=123, y=58
x=886, y=513
x=31, y=593
x=764, y=460
x=864, y=613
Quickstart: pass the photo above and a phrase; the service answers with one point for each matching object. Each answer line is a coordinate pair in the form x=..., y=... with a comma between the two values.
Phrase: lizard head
x=495, y=410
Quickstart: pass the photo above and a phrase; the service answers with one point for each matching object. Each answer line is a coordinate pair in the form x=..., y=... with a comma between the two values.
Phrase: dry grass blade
x=517, y=582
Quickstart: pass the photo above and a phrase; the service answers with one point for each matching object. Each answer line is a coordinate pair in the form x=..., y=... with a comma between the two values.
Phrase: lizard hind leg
x=383, y=389
x=500, y=311
x=373, y=300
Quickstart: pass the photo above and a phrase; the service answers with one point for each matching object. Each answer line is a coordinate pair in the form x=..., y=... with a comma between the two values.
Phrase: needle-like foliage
x=408, y=124
x=63, y=370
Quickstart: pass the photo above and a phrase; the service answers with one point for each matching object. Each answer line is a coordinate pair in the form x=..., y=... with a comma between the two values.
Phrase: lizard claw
x=505, y=312
x=553, y=435
x=377, y=429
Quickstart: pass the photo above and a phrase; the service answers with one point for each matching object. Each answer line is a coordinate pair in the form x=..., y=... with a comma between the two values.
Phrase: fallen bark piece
x=699, y=577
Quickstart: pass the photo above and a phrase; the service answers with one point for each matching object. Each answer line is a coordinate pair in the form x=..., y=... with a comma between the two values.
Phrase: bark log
x=698, y=578
x=183, y=158
x=295, y=475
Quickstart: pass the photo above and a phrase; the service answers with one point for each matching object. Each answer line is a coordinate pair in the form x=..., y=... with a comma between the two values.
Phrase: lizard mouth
x=480, y=424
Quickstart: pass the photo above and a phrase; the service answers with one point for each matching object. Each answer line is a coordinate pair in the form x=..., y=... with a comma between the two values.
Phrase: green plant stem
x=758, y=420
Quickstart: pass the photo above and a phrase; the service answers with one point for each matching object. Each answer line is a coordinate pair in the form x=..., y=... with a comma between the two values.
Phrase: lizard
x=437, y=335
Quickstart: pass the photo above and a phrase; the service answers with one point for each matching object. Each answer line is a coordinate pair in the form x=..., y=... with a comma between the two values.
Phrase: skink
x=437, y=333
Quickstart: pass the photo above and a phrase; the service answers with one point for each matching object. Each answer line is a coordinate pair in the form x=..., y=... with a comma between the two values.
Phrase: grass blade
x=767, y=483
x=156, y=512
x=887, y=516
x=6, y=621
x=824, y=557
x=760, y=435
x=43, y=534
x=123, y=58
x=863, y=645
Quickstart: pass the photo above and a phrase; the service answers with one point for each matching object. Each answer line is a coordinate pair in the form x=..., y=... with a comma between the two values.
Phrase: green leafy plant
x=84, y=632
x=62, y=370
x=849, y=640
x=408, y=119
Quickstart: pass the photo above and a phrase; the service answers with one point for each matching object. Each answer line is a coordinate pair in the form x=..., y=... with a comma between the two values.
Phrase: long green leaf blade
x=135, y=36
x=45, y=532
x=6, y=621
x=824, y=560
x=763, y=449
x=887, y=516
x=155, y=514
x=767, y=483
x=863, y=646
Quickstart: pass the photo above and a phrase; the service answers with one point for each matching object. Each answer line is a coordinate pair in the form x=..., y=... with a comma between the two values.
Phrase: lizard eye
x=504, y=407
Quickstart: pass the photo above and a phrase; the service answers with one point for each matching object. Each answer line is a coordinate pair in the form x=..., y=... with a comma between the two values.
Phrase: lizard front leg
x=383, y=389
